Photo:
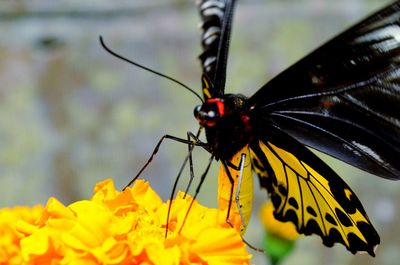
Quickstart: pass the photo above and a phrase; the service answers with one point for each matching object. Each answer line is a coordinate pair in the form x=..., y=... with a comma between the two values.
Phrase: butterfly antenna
x=148, y=69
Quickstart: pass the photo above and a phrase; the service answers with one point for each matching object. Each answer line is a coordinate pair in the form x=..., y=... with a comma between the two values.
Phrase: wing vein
x=332, y=91
x=383, y=165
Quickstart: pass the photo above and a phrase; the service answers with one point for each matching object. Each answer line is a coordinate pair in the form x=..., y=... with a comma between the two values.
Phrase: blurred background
x=72, y=115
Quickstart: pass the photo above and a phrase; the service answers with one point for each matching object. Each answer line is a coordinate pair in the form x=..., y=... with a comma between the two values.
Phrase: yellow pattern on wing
x=315, y=203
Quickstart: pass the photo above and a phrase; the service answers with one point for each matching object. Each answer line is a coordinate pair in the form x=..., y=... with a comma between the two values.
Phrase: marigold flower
x=9, y=237
x=129, y=227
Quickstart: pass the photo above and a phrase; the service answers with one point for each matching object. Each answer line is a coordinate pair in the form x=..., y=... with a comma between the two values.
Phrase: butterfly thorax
x=226, y=123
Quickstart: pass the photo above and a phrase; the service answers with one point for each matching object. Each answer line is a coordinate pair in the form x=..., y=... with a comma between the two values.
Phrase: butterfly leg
x=232, y=181
x=227, y=165
x=202, y=178
x=191, y=145
x=237, y=196
x=190, y=149
x=167, y=136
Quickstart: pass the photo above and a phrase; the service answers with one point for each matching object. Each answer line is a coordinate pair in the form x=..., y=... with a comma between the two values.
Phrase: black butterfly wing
x=216, y=16
x=344, y=98
x=307, y=192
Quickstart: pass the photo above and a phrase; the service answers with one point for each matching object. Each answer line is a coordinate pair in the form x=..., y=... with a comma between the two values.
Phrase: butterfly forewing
x=217, y=20
x=305, y=191
x=344, y=98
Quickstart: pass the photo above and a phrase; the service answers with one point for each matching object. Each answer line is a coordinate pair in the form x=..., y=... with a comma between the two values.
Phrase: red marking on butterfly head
x=220, y=105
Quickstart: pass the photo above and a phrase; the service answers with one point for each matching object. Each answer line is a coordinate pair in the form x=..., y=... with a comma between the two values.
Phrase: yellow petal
x=37, y=244
x=160, y=255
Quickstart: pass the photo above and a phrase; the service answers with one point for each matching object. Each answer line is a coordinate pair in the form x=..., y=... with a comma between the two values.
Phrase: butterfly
x=342, y=99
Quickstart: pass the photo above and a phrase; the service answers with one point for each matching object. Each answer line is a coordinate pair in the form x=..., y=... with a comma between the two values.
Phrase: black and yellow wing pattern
x=342, y=99
x=305, y=191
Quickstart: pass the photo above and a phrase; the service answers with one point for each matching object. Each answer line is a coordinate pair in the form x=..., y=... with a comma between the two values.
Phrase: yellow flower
x=9, y=237
x=284, y=230
x=129, y=228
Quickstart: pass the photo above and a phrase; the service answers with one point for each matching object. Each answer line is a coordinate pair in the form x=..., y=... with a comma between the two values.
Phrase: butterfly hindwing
x=344, y=98
x=305, y=191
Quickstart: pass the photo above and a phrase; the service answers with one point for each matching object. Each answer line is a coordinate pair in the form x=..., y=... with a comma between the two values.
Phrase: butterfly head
x=230, y=106
x=210, y=112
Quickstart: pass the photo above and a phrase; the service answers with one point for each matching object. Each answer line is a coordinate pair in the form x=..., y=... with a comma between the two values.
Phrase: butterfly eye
x=197, y=111
x=206, y=117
